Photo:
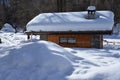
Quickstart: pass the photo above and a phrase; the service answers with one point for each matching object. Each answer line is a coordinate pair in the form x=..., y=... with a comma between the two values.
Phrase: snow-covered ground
x=21, y=59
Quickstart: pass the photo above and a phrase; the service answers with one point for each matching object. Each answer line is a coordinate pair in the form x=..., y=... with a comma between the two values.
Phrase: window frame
x=70, y=41
x=63, y=42
x=67, y=40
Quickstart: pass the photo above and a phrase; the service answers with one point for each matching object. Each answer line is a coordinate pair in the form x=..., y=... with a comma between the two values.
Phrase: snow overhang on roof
x=91, y=8
x=71, y=21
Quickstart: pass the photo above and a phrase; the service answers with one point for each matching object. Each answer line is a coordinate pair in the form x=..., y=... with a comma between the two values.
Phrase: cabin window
x=63, y=40
x=71, y=40
x=68, y=40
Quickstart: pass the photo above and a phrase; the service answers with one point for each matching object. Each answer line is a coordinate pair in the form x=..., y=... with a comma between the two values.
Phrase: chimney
x=91, y=12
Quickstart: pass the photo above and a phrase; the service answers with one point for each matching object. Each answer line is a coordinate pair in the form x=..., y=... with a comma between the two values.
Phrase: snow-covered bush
x=116, y=29
x=8, y=28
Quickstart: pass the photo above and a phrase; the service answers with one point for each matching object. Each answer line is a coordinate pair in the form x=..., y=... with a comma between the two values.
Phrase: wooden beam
x=69, y=32
x=28, y=36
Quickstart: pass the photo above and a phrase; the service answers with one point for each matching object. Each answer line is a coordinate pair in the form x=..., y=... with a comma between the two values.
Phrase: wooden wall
x=97, y=41
x=83, y=41
x=78, y=40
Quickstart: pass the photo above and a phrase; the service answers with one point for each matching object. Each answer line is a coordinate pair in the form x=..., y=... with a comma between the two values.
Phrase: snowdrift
x=105, y=73
x=38, y=60
x=100, y=73
x=7, y=28
x=41, y=60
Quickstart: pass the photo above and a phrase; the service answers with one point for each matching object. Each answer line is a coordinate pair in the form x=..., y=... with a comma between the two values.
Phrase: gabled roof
x=71, y=21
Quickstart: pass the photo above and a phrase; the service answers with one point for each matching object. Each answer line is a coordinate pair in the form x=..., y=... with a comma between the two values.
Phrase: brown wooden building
x=73, y=29
x=73, y=39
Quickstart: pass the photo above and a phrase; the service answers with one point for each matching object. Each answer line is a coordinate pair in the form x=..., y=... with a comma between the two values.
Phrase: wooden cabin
x=73, y=29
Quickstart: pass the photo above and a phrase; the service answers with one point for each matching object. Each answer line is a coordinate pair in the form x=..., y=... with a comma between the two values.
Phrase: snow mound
x=106, y=73
x=101, y=73
x=7, y=28
x=38, y=60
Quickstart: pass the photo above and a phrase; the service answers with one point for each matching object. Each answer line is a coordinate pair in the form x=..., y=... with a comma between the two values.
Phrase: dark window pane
x=63, y=40
x=71, y=40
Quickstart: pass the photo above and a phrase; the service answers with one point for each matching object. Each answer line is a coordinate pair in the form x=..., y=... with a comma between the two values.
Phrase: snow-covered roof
x=91, y=8
x=71, y=21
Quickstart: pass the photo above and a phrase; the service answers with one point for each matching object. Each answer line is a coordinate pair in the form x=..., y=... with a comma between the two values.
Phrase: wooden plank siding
x=97, y=41
x=83, y=41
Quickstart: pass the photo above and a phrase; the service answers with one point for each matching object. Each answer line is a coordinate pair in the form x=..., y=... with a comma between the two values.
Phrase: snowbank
x=100, y=73
x=101, y=64
x=40, y=60
x=104, y=73
x=35, y=61
x=8, y=28
x=10, y=38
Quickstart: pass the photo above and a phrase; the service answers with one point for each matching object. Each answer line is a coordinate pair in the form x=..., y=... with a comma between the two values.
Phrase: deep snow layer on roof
x=91, y=8
x=71, y=21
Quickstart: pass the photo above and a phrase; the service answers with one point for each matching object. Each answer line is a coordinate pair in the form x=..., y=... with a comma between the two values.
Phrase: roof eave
x=70, y=32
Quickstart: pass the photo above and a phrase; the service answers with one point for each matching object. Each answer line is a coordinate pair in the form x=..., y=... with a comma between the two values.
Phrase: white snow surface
x=21, y=59
x=46, y=62
x=91, y=8
x=71, y=21
x=7, y=28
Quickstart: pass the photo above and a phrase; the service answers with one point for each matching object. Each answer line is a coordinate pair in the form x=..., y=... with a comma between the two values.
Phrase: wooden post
x=113, y=43
x=31, y=36
x=28, y=36
x=39, y=37
x=101, y=41
x=0, y=40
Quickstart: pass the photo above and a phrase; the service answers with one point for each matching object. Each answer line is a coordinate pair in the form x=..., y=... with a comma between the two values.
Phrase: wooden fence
x=112, y=42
